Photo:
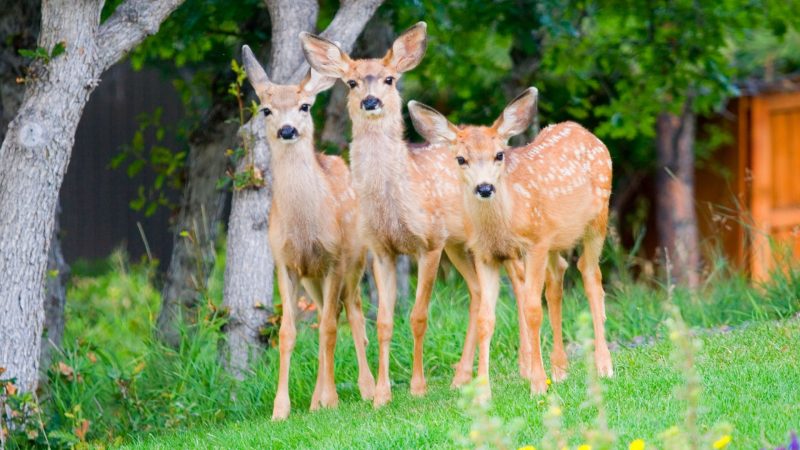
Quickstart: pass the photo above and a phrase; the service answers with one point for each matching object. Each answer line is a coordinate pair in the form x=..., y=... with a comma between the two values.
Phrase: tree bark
x=35, y=153
x=193, y=256
x=676, y=218
x=249, y=269
x=20, y=23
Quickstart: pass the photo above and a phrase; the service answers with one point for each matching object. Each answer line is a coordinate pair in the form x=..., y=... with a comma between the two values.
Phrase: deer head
x=478, y=150
x=287, y=107
x=372, y=82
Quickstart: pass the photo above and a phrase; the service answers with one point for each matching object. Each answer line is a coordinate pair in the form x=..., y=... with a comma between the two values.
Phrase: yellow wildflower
x=555, y=411
x=549, y=381
x=722, y=442
x=585, y=447
x=638, y=444
x=527, y=447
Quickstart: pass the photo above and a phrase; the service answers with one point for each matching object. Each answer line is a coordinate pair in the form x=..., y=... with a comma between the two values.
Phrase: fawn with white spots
x=312, y=232
x=531, y=202
x=409, y=198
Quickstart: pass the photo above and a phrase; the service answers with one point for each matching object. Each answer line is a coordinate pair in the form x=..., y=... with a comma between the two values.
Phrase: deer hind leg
x=288, y=286
x=516, y=273
x=589, y=265
x=386, y=279
x=313, y=288
x=465, y=266
x=489, y=276
x=355, y=315
x=556, y=266
x=535, y=268
x=428, y=265
x=331, y=291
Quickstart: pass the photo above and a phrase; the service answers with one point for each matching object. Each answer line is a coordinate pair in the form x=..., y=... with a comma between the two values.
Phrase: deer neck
x=490, y=220
x=298, y=181
x=378, y=148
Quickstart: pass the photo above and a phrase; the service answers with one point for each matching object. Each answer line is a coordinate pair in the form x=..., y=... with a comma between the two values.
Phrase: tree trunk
x=676, y=218
x=35, y=153
x=20, y=23
x=249, y=269
x=249, y=265
x=193, y=256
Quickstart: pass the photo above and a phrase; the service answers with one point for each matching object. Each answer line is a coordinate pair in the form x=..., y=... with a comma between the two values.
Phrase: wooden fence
x=96, y=217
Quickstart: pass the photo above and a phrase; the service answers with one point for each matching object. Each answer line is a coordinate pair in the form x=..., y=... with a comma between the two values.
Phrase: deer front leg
x=428, y=264
x=516, y=273
x=465, y=266
x=288, y=287
x=386, y=279
x=535, y=266
x=489, y=276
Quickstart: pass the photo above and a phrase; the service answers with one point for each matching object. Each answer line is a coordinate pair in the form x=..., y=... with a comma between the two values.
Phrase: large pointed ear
x=325, y=56
x=431, y=124
x=255, y=73
x=407, y=51
x=517, y=116
x=315, y=82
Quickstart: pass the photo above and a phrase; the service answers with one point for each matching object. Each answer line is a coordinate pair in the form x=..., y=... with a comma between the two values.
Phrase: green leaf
x=58, y=49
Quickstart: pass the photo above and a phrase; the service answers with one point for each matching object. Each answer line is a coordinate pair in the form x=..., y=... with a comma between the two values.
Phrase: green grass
x=133, y=390
x=750, y=380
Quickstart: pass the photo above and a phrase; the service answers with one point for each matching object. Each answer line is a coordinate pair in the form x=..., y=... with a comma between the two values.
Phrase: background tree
x=74, y=48
x=194, y=48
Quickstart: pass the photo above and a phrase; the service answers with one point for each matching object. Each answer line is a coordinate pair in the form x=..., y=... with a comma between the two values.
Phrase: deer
x=409, y=200
x=311, y=232
x=531, y=203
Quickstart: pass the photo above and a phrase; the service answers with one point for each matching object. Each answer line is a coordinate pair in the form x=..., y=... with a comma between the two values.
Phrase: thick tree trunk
x=193, y=256
x=249, y=268
x=20, y=23
x=675, y=212
x=249, y=265
x=35, y=153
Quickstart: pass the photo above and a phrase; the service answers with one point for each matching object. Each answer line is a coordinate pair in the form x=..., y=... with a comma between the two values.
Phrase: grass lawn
x=132, y=391
x=751, y=380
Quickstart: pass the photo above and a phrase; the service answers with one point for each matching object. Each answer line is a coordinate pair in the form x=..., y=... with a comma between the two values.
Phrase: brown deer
x=409, y=199
x=312, y=231
x=530, y=202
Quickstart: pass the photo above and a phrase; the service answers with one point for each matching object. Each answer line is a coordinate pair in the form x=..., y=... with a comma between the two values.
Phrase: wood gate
x=775, y=165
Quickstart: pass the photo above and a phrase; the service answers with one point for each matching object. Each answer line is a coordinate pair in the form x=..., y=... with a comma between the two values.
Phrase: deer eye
x=498, y=156
x=389, y=80
x=305, y=107
x=266, y=111
x=461, y=161
x=352, y=84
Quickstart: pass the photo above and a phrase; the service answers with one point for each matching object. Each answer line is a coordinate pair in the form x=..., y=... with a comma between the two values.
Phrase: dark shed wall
x=96, y=217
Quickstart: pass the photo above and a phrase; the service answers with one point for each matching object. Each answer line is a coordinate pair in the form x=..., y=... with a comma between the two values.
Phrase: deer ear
x=255, y=73
x=431, y=124
x=315, y=82
x=325, y=56
x=517, y=116
x=408, y=49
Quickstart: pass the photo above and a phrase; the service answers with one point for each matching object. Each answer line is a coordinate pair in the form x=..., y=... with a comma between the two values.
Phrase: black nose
x=370, y=103
x=287, y=132
x=485, y=190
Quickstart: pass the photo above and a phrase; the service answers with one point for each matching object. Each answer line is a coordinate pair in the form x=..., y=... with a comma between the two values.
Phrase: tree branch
x=129, y=25
x=347, y=24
